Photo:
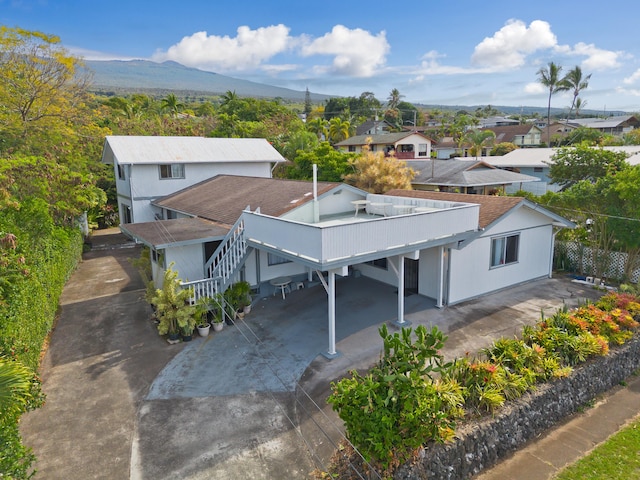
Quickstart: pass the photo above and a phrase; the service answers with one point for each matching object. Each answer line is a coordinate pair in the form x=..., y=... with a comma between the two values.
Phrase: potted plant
x=216, y=305
x=174, y=312
x=201, y=313
x=243, y=295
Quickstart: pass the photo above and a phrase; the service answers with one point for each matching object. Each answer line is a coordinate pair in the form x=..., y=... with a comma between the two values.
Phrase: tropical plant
x=575, y=82
x=15, y=387
x=549, y=77
x=174, y=311
x=399, y=404
x=478, y=139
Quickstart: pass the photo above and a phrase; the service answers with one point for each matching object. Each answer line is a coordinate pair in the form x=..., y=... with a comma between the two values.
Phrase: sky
x=455, y=52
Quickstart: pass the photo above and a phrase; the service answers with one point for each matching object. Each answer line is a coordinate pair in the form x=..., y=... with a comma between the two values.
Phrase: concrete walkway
x=248, y=402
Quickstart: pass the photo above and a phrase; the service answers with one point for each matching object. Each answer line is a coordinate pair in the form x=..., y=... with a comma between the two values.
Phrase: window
x=504, y=250
x=406, y=148
x=422, y=149
x=173, y=170
x=122, y=173
x=273, y=259
x=352, y=148
x=537, y=169
x=158, y=257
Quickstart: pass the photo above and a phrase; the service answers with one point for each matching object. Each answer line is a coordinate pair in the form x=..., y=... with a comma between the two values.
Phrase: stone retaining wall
x=482, y=444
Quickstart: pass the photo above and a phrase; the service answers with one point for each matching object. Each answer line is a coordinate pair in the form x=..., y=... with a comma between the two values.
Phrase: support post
x=331, y=293
x=439, y=301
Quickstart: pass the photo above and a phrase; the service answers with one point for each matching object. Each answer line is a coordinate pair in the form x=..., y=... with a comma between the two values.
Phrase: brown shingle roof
x=163, y=232
x=223, y=197
x=491, y=207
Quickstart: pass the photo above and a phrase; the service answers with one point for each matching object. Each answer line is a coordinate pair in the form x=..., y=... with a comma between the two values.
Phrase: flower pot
x=203, y=330
x=247, y=309
x=174, y=336
x=187, y=338
x=218, y=326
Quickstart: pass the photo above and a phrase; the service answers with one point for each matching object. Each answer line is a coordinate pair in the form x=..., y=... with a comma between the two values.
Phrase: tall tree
x=171, y=104
x=549, y=77
x=571, y=165
x=339, y=129
x=394, y=99
x=39, y=81
x=307, y=102
x=575, y=82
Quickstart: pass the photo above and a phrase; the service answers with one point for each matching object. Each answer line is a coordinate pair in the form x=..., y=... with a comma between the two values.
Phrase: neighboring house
x=405, y=145
x=148, y=167
x=463, y=176
x=373, y=127
x=497, y=122
x=446, y=148
x=617, y=125
x=521, y=135
x=557, y=131
x=445, y=246
x=535, y=162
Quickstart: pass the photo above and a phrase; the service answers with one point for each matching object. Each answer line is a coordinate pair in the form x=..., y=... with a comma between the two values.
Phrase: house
x=449, y=247
x=148, y=167
x=617, y=125
x=521, y=135
x=373, y=127
x=405, y=145
x=535, y=162
x=446, y=148
x=497, y=121
x=556, y=132
x=463, y=176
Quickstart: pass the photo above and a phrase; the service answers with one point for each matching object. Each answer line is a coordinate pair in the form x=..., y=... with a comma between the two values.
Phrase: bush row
x=412, y=397
x=36, y=259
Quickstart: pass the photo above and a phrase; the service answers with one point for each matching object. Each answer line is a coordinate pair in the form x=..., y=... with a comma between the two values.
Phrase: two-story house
x=147, y=167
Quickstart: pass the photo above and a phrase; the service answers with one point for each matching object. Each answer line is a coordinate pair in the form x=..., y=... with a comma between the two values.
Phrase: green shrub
x=395, y=408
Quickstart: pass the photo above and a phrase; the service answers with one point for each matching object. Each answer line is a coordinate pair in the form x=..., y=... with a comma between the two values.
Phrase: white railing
x=229, y=255
x=205, y=288
x=327, y=243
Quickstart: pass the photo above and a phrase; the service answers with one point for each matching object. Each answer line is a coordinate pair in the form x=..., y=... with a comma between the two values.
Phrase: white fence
x=589, y=261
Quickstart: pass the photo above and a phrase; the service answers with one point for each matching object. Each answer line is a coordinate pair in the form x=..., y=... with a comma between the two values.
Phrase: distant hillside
x=142, y=75
x=523, y=110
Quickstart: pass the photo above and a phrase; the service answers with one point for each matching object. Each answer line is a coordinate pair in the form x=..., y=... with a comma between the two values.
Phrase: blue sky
x=436, y=52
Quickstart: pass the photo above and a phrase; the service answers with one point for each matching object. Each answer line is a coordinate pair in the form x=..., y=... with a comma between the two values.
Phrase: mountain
x=120, y=76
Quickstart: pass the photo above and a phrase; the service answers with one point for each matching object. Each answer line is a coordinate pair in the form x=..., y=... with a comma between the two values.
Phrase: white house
x=535, y=163
x=450, y=247
x=147, y=168
x=404, y=145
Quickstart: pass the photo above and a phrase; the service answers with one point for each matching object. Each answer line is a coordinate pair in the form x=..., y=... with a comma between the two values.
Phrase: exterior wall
x=146, y=185
x=188, y=259
x=470, y=273
x=537, y=188
x=383, y=275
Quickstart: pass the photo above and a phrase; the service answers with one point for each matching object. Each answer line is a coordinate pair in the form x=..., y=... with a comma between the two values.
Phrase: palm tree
x=319, y=127
x=339, y=129
x=394, y=99
x=573, y=81
x=580, y=104
x=171, y=103
x=549, y=76
x=478, y=139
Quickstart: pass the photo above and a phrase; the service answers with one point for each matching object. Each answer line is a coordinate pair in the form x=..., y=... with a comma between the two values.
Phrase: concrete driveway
x=248, y=402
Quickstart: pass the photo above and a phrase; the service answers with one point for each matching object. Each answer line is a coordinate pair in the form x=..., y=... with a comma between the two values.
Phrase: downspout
x=553, y=246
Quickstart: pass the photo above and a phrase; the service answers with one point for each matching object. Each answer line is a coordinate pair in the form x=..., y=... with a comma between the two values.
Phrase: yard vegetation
x=412, y=397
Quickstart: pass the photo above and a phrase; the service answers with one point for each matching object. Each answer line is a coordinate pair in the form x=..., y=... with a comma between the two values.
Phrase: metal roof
x=159, y=150
x=541, y=157
x=380, y=139
x=463, y=173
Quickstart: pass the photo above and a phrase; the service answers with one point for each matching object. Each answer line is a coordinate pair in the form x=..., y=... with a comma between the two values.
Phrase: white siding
x=189, y=261
x=429, y=272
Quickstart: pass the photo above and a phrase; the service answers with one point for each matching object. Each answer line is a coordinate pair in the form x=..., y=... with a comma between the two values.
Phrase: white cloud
x=247, y=50
x=597, y=59
x=510, y=45
x=635, y=76
x=357, y=53
x=634, y=92
x=535, y=88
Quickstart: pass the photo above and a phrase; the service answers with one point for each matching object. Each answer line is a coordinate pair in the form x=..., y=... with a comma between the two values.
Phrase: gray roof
x=158, y=150
x=463, y=173
x=180, y=231
x=223, y=198
x=598, y=123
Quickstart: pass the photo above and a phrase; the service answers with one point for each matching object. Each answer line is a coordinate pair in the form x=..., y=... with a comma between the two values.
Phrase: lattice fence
x=575, y=257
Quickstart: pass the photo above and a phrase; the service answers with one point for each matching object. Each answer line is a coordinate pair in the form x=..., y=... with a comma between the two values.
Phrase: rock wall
x=482, y=444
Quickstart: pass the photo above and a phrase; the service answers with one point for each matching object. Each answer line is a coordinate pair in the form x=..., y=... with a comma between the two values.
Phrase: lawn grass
x=617, y=458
